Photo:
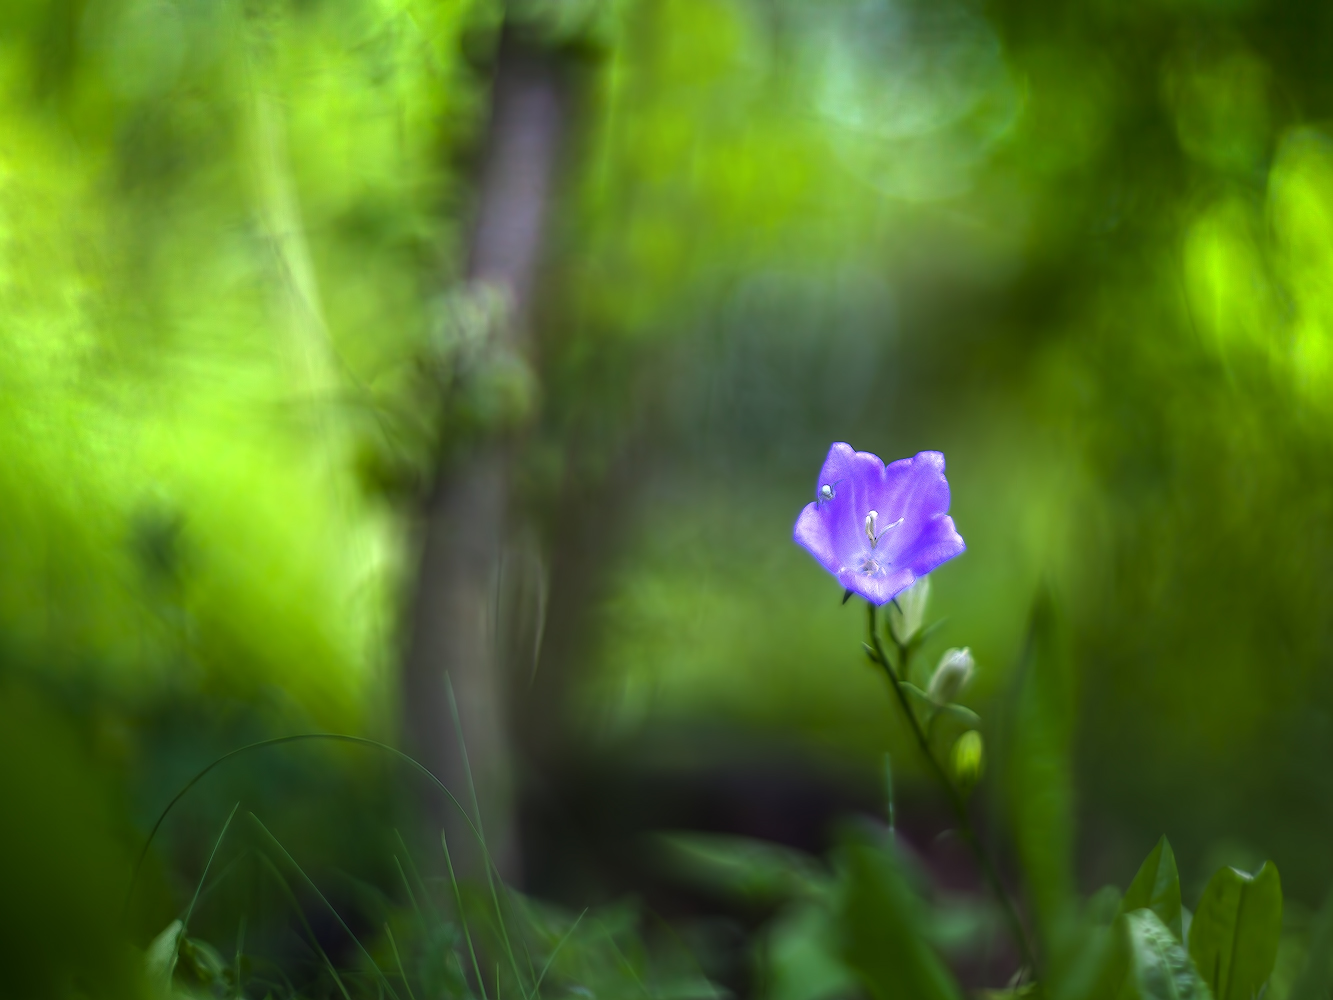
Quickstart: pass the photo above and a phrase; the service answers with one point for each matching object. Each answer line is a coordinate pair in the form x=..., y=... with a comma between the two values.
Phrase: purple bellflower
x=876, y=527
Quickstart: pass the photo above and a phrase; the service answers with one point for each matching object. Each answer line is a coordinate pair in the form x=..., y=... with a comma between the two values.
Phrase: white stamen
x=874, y=535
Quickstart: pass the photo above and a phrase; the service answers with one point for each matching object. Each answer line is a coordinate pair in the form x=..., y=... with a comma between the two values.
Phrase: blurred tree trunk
x=455, y=646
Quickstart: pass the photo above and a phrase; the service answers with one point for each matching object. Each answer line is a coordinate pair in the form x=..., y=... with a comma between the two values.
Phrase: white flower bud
x=907, y=611
x=953, y=673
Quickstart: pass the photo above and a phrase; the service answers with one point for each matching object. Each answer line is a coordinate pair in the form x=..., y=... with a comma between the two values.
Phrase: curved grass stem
x=956, y=800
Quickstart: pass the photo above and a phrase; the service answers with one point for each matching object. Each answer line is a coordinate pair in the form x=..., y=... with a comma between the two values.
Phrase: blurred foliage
x=62, y=870
x=415, y=936
x=226, y=227
x=1082, y=248
x=872, y=918
x=226, y=230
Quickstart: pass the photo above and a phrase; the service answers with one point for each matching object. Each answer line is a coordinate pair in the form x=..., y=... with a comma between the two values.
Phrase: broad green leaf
x=1097, y=964
x=1316, y=979
x=1236, y=930
x=801, y=956
x=1161, y=968
x=1103, y=906
x=160, y=959
x=1039, y=781
x=1157, y=887
x=883, y=927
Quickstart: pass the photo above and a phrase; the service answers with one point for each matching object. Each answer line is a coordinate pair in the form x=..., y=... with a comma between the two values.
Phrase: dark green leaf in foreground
x=1097, y=966
x=882, y=923
x=1157, y=887
x=1235, y=933
x=801, y=956
x=1162, y=969
x=1039, y=779
x=1316, y=979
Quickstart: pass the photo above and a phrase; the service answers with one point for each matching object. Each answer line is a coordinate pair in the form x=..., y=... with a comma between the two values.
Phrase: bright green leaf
x=1236, y=930
x=1157, y=887
x=1161, y=968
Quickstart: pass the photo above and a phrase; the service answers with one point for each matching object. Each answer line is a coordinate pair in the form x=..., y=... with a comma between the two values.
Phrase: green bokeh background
x=1085, y=249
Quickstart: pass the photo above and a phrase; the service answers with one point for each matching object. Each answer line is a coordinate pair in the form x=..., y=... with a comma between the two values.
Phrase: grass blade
x=336, y=915
x=556, y=951
x=462, y=916
x=185, y=923
x=399, y=959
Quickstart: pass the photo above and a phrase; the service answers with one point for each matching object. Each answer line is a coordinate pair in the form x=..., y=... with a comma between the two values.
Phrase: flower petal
x=863, y=481
x=936, y=543
x=814, y=533
x=837, y=465
x=877, y=589
x=914, y=489
x=830, y=529
x=913, y=533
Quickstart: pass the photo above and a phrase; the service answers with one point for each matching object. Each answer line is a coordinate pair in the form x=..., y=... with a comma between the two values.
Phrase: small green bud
x=907, y=611
x=969, y=759
x=951, y=676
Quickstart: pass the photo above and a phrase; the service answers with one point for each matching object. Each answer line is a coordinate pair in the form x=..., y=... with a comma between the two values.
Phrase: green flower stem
x=956, y=799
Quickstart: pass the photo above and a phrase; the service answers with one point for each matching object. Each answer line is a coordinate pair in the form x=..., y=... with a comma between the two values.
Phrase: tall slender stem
x=955, y=797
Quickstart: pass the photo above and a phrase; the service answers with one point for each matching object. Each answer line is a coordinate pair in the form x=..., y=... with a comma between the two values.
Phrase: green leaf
x=943, y=723
x=738, y=866
x=1161, y=968
x=1039, y=780
x=1236, y=930
x=801, y=956
x=922, y=706
x=1316, y=979
x=883, y=927
x=160, y=959
x=1157, y=887
x=1097, y=964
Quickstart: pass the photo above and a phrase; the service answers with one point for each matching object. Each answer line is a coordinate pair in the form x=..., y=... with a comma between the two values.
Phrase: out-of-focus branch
x=454, y=640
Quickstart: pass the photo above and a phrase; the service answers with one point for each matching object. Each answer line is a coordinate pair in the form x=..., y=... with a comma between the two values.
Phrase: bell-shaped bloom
x=877, y=527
